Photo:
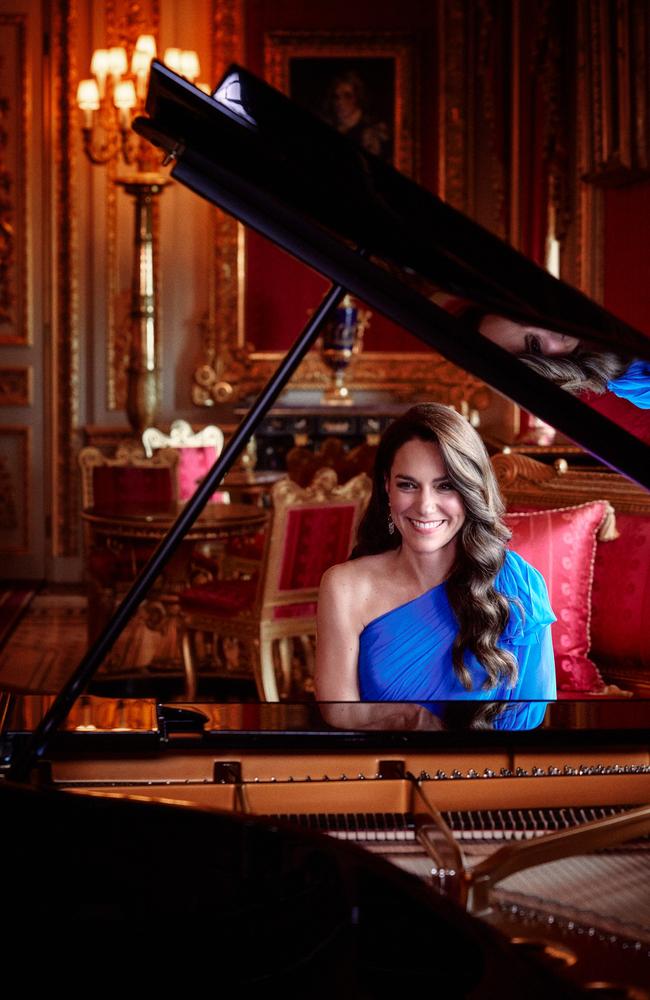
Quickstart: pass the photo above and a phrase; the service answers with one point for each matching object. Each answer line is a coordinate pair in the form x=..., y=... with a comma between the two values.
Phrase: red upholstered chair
x=310, y=530
x=197, y=454
x=129, y=480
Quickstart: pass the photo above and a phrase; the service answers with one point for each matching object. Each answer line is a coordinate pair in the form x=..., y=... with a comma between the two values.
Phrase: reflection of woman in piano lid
x=432, y=606
x=608, y=381
x=574, y=365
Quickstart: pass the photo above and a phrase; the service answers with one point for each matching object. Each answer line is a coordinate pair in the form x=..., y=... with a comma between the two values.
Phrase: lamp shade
x=172, y=58
x=124, y=95
x=100, y=62
x=88, y=95
x=140, y=62
x=117, y=61
x=147, y=45
x=190, y=67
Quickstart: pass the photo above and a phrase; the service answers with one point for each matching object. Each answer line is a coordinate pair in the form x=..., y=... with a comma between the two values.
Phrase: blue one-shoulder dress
x=634, y=384
x=405, y=654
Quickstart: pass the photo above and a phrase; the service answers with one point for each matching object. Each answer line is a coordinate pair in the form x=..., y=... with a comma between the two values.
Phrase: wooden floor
x=47, y=644
x=51, y=639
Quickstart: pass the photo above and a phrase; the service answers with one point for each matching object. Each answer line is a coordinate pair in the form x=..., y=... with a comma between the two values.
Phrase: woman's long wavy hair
x=586, y=369
x=481, y=611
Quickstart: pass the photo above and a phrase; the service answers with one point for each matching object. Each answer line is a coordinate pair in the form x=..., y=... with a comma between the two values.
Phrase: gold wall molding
x=16, y=385
x=453, y=105
x=583, y=259
x=615, y=39
x=16, y=509
x=124, y=21
x=64, y=369
x=14, y=97
x=225, y=357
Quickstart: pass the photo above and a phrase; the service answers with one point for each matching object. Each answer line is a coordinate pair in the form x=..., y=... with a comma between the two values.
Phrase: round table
x=153, y=636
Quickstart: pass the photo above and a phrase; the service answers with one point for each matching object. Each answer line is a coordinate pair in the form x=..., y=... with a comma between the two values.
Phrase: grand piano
x=309, y=849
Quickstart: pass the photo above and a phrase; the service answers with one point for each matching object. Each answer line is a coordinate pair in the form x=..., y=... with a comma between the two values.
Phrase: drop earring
x=391, y=524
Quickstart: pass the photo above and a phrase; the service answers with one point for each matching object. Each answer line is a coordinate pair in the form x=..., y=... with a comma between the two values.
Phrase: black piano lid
x=257, y=155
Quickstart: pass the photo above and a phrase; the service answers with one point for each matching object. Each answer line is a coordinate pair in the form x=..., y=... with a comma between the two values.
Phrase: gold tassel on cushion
x=607, y=531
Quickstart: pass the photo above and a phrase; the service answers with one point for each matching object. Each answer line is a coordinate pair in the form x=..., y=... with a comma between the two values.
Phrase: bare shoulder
x=351, y=586
x=354, y=574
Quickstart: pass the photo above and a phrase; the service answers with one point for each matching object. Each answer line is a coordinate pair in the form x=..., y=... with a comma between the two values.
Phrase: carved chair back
x=312, y=528
x=128, y=478
x=198, y=451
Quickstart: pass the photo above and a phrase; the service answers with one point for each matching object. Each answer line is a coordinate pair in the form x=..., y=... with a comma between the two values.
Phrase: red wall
x=627, y=254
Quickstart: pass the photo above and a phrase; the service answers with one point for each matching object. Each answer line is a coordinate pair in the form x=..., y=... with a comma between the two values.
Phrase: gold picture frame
x=231, y=368
x=305, y=65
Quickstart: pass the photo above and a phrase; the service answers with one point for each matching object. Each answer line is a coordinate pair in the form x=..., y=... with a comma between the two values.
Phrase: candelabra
x=108, y=102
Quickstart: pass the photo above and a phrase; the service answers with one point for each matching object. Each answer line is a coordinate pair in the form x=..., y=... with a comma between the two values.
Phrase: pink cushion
x=193, y=465
x=316, y=538
x=561, y=544
x=621, y=599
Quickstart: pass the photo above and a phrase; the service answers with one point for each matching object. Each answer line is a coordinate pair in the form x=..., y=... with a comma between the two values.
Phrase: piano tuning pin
x=505, y=772
x=538, y=772
x=488, y=773
x=344, y=777
x=553, y=771
x=521, y=772
x=472, y=773
x=441, y=775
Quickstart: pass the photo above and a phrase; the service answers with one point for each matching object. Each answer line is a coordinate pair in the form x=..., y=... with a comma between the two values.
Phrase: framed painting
x=362, y=84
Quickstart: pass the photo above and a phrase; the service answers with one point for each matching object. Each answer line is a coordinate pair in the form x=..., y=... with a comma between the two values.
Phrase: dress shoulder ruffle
x=633, y=384
x=530, y=608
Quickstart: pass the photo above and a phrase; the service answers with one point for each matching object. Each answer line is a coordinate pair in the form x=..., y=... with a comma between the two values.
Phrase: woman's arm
x=338, y=627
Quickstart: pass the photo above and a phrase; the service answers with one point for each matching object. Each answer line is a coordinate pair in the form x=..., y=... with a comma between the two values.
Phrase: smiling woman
x=431, y=605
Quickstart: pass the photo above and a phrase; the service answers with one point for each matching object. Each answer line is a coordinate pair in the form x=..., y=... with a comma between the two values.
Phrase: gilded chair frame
x=102, y=596
x=181, y=435
x=127, y=455
x=257, y=626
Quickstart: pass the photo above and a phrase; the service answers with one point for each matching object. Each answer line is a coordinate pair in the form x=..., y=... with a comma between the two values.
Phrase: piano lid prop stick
x=61, y=706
